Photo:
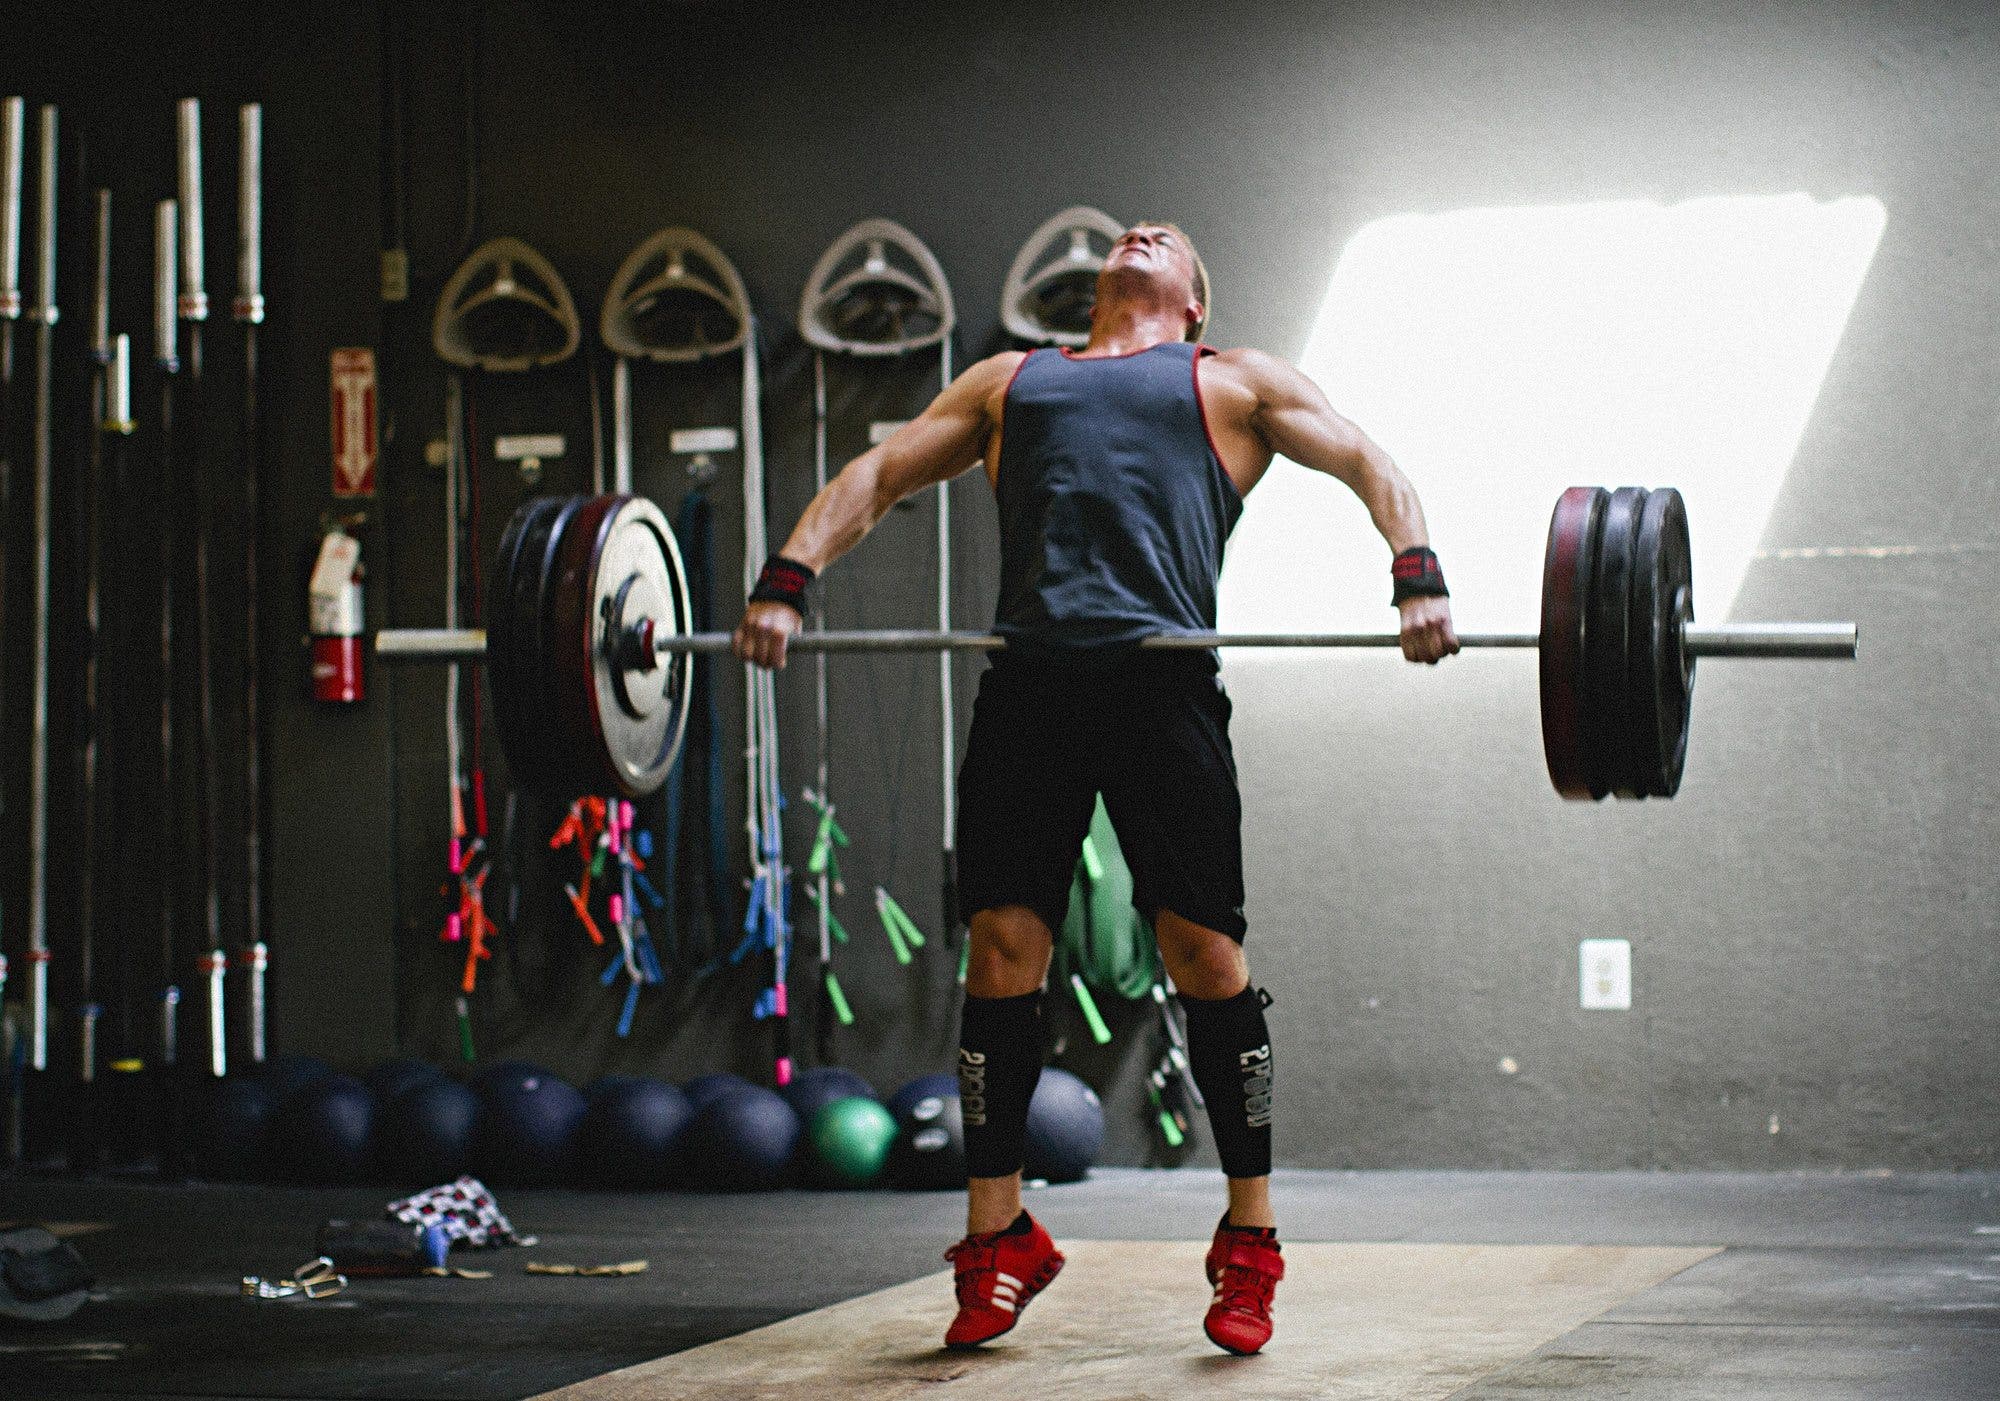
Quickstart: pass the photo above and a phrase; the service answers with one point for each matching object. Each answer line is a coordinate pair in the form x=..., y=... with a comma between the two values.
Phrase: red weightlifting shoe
x=1245, y=1267
x=996, y=1274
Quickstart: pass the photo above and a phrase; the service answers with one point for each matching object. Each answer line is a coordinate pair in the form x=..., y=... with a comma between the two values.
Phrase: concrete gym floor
x=1402, y=1284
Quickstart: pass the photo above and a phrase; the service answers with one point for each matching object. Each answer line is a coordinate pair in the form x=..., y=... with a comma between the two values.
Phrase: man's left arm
x=1294, y=419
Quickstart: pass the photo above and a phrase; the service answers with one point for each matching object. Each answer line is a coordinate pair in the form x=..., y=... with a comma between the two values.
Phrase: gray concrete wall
x=1813, y=920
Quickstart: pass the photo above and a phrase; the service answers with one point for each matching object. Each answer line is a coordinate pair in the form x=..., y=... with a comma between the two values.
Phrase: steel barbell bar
x=1771, y=641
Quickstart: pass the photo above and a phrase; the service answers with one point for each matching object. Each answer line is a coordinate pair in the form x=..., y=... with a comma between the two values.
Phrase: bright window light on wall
x=1501, y=355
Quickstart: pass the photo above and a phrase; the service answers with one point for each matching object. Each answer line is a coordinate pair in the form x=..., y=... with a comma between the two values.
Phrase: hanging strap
x=764, y=796
x=947, y=726
x=832, y=1002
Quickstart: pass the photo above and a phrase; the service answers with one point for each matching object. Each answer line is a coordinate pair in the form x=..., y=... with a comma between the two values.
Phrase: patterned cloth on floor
x=465, y=1209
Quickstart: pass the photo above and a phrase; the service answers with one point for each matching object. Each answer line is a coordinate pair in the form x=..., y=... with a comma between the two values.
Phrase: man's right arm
x=938, y=444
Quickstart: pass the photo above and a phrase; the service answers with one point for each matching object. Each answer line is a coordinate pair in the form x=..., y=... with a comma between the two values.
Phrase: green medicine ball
x=850, y=1140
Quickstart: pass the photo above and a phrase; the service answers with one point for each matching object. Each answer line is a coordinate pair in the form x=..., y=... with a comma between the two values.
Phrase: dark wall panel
x=1813, y=920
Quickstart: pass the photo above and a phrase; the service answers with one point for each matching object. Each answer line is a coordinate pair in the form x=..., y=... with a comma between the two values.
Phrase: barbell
x=589, y=645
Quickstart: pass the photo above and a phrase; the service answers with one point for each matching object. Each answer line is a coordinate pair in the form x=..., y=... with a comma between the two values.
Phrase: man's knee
x=1009, y=954
x=1203, y=962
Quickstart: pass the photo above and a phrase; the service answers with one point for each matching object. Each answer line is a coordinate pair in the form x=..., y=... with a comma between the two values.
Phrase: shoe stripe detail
x=1007, y=1279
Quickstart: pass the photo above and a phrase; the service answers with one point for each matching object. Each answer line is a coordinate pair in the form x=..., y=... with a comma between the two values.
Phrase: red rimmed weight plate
x=1566, y=591
x=576, y=764
x=1661, y=672
x=1608, y=637
x=515, y=662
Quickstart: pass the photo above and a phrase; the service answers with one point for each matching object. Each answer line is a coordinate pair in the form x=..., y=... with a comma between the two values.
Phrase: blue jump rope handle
x=653, y=897
x=649, y=962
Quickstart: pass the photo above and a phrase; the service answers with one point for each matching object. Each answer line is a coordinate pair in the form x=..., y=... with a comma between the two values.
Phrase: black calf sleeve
x=999, y=1063
x=1229, y=1049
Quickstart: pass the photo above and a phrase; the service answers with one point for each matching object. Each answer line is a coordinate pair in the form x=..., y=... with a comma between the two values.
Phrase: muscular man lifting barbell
x=1119, y=475
x=1119, y=470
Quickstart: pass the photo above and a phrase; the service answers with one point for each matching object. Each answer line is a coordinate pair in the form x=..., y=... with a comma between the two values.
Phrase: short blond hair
x=1200, y=270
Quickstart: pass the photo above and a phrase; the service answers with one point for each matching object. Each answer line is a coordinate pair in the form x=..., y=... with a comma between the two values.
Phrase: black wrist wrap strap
x=1417, y=575
x=783, y=581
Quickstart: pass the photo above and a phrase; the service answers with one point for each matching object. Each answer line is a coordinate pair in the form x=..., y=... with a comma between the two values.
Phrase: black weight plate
x=1607, y=631
x=527, y=737
x=499, y=640
x=579, y=764
x=555, y=746
x=1566, y=574
x=511, y=645
x=1662, y=672
x=526, y=588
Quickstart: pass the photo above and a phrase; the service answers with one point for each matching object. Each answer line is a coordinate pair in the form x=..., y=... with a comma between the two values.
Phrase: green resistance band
x=1103, y=937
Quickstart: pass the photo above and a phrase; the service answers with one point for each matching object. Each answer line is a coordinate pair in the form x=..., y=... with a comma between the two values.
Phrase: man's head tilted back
x=1156, y=259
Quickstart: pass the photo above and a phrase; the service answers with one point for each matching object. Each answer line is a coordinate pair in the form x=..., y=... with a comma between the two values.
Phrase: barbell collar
x=1794, y=641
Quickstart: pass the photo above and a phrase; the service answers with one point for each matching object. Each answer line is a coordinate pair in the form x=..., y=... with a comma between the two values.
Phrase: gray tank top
x=1113, y=503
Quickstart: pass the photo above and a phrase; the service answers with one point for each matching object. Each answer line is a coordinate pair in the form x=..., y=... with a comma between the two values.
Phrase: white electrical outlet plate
x=1605, y=971
x=703, y=440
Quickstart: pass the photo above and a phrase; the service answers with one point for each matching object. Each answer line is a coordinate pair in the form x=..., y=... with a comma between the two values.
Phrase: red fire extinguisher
x=335, y=613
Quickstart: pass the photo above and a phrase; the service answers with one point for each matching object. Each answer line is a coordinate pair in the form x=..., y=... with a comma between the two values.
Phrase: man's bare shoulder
x=993, y=370
x=1252, y=365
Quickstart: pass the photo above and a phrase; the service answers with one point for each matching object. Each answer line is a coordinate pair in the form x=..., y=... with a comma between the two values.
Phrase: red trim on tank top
x=1003, y=417
x=1010, y=387
x=1194, y=363
x=1069, y=354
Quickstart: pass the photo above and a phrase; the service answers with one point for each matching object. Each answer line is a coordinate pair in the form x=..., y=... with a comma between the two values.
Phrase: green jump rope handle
x=1093, y=864
x=822, y=843
x=839, y=1000
x=833, y=924
x=964, y=960
x=1099, y=1032
x=1169, y=1130
x=892, y=910
x=465, y=1032
x=825, y=839
x=895, y=935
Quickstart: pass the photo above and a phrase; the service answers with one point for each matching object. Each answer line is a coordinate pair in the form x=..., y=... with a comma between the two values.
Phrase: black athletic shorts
x=1148, y=730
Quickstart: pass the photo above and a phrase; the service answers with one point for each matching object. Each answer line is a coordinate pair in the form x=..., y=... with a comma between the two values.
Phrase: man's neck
x=1129, y=329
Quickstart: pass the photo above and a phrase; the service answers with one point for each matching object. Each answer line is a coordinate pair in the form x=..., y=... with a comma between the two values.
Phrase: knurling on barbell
x=589, y=654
